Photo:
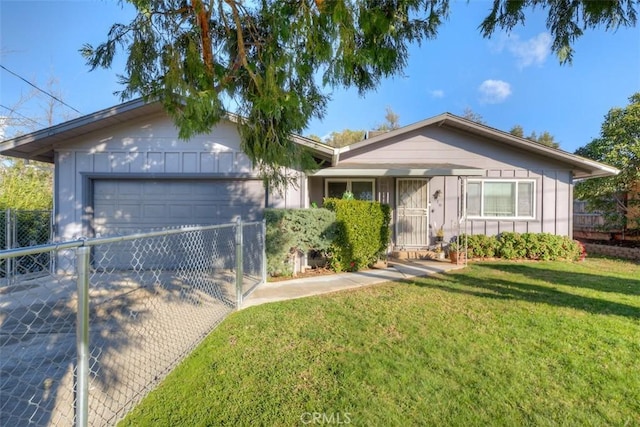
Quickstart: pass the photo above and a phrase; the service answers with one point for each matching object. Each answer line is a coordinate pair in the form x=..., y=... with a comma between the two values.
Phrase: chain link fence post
x=10, y=262
x=82, y=338
x=264, y=252
x=239, y=263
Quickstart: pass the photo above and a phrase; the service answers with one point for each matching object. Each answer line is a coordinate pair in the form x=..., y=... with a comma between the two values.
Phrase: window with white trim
x=362, y=189
x=501, y=199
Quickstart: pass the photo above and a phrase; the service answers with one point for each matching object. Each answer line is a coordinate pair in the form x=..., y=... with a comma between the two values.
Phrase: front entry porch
x=427, y=201
x=412, y=213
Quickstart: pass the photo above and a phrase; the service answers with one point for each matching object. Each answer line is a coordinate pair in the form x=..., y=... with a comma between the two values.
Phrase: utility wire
x=41, y=90
x=21, y=115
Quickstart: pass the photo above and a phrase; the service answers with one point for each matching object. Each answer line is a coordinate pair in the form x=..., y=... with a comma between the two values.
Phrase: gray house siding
x=147, y=149
x=444, y=145
x=433, y=145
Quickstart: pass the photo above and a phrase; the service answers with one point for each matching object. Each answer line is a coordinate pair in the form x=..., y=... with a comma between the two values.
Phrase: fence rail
x=588, y=221
x=110, y=317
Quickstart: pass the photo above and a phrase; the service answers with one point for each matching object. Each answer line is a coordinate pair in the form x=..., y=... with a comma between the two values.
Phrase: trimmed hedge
x=291, y=230
x=536, y=246
x=362, y=233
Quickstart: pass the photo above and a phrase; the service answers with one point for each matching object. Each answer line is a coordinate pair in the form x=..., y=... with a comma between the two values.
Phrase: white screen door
x=412, y=204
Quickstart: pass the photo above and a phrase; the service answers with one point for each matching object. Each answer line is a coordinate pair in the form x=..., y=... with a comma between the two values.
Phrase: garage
x=125, y=206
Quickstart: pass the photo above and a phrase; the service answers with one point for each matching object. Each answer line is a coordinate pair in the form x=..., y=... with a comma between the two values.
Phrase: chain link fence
x=19, y=229
x=86, y=342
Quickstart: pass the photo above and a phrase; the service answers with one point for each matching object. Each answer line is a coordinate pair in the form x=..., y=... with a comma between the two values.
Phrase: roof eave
x=578, y=163
x=39, y=145
x=597, y=173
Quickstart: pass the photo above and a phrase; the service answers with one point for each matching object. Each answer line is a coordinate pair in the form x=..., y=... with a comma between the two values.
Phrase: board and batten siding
x=145, y=146
x=441, y=145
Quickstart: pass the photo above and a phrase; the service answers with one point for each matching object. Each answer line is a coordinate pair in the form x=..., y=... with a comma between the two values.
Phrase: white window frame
x=504, y=218
x=348, y=181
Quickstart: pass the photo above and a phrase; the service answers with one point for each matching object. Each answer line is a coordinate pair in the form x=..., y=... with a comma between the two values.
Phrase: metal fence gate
x=22, y=228
x=83, y=343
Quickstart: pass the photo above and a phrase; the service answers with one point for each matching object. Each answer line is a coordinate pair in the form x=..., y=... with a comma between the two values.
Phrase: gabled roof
x=39, y=145
x=581, y=166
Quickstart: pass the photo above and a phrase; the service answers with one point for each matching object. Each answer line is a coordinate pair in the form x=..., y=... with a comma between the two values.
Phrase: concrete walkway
x=308, y=286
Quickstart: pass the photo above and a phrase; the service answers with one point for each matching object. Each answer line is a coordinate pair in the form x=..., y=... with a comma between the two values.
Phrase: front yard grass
x=497, y=343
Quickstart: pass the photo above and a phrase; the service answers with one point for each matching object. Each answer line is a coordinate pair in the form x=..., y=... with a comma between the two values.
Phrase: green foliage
x=535, y=246
x=518, y=131
x=349, y=136
x=618, y=146
x=545, y=138
x=480, y=246
x=347, y=195
x=291, y=230
x=277, y=61
x=362, y=233
x=344, y=138
x=32, y=227
x=566, y=21
x=272, y=59
x=26, y=186
x=511, y=246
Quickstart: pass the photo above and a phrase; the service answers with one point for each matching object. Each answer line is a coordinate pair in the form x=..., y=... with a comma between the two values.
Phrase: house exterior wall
x=433, y=145
x=446, y=145
x=147, y=147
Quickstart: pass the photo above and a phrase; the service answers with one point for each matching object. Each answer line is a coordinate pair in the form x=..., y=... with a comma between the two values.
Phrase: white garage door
x=129, y=206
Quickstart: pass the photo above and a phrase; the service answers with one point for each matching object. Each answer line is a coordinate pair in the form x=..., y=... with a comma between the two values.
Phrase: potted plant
x=440, y=235
x=456, y=253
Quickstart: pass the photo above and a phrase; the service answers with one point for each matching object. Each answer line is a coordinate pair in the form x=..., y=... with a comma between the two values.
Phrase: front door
x=412, y=207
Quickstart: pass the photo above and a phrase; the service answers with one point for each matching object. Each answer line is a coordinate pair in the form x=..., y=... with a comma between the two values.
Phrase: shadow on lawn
x=466, y=282
x=572, y=279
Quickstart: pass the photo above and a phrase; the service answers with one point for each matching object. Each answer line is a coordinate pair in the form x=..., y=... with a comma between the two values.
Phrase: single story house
x=124, y=169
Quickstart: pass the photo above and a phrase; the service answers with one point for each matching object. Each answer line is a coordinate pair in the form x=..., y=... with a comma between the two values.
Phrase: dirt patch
x=311, y=272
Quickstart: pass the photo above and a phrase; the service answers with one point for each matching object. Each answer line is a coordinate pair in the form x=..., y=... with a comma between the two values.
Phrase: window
x=508, y=199
x=362, y=189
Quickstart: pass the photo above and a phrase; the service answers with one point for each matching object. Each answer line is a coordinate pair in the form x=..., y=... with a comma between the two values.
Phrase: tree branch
x=242, y=54
x=202, y=20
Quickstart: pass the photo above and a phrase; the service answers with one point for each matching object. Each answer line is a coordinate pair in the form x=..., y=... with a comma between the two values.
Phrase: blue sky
x=509, y=79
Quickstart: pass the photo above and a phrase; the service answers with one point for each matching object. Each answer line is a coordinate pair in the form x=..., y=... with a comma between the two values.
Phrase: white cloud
x=533, y=51
x=437, y=93
x=494, y=91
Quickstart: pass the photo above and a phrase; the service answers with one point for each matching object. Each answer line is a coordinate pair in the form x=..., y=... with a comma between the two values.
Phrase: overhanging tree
x=618, y=145
x=270, y=60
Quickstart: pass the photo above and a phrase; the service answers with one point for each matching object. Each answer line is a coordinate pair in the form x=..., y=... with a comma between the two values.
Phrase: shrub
x=511, y=246
x=535, y=246
x=362, y=233
x=480, y=246
x=291, y=230
x=547, y=247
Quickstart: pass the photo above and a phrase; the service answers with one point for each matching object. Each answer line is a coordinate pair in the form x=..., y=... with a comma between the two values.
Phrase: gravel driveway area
x=141, y=325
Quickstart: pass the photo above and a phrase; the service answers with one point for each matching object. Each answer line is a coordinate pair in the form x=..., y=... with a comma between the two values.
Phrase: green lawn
x=497, y=343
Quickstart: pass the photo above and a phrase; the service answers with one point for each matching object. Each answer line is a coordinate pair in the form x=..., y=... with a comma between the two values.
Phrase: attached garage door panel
x=129, y=206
